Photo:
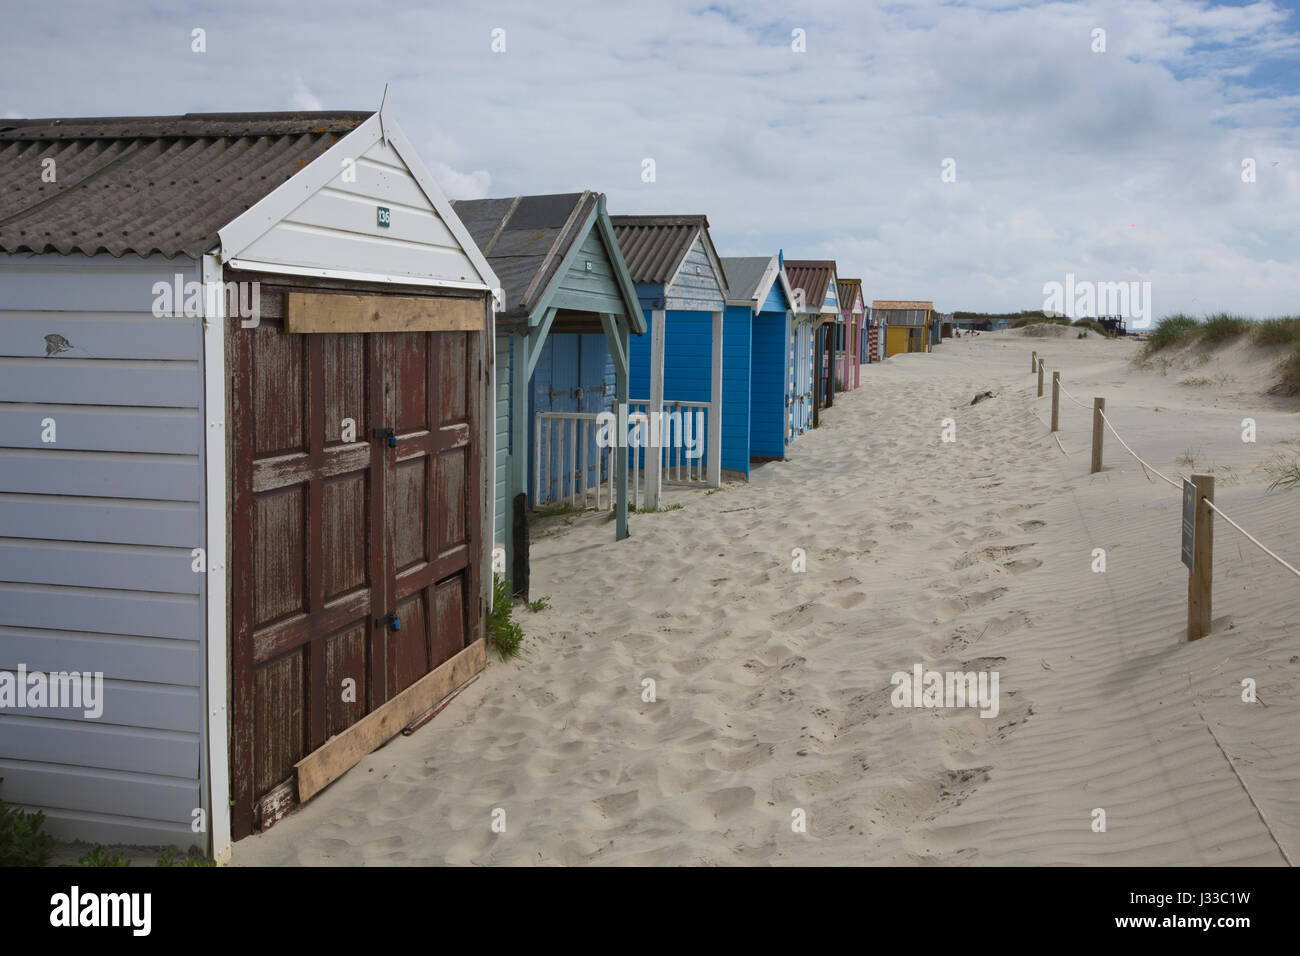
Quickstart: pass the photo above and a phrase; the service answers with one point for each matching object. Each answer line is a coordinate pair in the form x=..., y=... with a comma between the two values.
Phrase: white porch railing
x=568, y=464
x=675, y=464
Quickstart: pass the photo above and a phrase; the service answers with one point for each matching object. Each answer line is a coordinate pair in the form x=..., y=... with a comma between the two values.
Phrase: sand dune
x=773, y=690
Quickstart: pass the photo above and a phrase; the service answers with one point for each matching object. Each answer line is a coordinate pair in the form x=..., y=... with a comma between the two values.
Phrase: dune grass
x=1221, y=328
x=1281, y=331
x=1092, y=324
x=1171, y=330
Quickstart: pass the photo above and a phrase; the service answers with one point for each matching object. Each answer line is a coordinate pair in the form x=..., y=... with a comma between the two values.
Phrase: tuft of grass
x=1221, y=327
x=170, y=857
x=543, y=603
x=1092, y=325
x=1171, y=330
x=1023, y=320
x=1290, y=371
x=503, y=631
x=22, y=840
x=675, y=506
x=1278, y=332
x=101, y=857
x=1285, y=472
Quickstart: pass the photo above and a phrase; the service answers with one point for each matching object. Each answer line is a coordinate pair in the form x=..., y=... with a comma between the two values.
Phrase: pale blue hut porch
x=562, y=343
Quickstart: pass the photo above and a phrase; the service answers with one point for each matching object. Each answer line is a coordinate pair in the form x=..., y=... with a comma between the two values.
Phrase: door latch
x=386, y=433
x=390, y=621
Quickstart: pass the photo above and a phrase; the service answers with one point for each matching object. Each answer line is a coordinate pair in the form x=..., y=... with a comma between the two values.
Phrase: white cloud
x=303, y=98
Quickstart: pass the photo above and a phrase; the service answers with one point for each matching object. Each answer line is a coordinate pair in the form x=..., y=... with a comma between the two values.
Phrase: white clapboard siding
x=96, y=538
x=336, y=228
x=504, y=507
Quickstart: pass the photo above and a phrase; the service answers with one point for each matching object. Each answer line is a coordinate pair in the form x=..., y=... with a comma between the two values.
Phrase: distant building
x=908, y=324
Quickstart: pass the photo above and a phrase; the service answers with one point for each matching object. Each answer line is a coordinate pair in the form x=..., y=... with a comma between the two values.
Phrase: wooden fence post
x=1098, y=431
x=1200, y=579
x=1033, y=361
x=1056, y=401
x=1040, y=378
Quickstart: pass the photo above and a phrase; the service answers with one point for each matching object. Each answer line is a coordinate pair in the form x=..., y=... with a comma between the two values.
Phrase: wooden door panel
x=279, y=554
x=278, y=391
x=345, y=533
x=408, y=496
x=344, y=366
x=280, y=727
x=408, y=647
x=453, y=474
x=449, y=636
x=345, y=660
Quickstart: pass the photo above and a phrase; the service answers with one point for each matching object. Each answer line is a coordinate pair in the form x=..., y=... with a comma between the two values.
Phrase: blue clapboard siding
x=96, y=532
x=737, y=343
x=768, y=385
x=569, y=362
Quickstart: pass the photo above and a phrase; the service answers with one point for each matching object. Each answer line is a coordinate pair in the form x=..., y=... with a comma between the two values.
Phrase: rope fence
x=1200, y=562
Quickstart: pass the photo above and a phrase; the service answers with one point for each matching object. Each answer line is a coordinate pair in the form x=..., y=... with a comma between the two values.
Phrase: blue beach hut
x=759, y=303
x=678, y=366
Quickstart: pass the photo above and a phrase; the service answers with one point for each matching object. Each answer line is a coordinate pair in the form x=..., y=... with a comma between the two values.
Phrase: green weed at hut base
x=22, y=839
x=98, y=856
x=505, y=633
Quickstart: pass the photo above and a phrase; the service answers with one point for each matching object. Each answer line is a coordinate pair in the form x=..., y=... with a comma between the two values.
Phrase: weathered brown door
x=355, y=563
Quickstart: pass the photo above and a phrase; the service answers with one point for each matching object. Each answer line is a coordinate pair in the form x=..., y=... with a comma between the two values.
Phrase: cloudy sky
x=1119, y=165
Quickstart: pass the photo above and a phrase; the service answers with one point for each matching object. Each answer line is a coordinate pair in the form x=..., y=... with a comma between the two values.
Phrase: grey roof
x=149, y=184
x=744, y=273
x=654, y=246
x=525, y=239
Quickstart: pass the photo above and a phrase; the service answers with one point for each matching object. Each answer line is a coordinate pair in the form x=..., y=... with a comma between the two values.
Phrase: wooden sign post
x=1098, y=432
x=1200, y=570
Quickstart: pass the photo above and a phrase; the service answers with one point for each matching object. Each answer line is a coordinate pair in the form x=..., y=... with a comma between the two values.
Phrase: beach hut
x=246, y=359
x=677, y=369
x=909, y=324
x=851, y=354
x=562, y=336
x=821, y=309
x=759, y=303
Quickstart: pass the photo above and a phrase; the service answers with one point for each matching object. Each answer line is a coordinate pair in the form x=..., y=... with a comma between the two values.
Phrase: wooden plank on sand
x=340, y=754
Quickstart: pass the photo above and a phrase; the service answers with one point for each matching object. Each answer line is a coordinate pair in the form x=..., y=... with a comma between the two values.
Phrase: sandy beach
x=773, y=687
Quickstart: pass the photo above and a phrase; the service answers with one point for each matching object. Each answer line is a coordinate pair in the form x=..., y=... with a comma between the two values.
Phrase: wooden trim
x=341, y=753
x=307, y=312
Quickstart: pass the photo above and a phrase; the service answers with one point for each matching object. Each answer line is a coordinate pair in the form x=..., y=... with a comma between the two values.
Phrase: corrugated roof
x=901, y=304
x=149, y=184
x=525, y=239
x=848, y=291
x=654, y=246
x=811, y=275
x=744, y=273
